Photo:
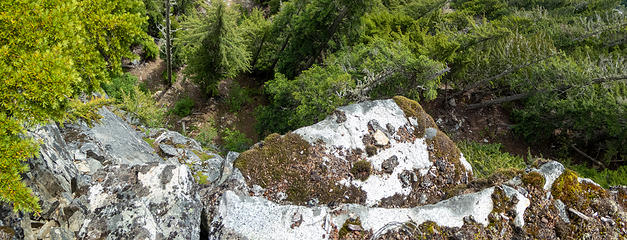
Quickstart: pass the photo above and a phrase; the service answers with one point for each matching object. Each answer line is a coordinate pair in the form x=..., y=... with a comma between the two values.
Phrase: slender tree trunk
x=168, y=43
x=256, y=56
x=500, y=100
x=287, y=38
x=330, y=33
x=276, y=59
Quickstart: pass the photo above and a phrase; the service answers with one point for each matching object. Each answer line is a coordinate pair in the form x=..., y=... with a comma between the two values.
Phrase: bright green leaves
x=379, y=69
x=15, y=150
x=306, y=99
x=50, y=52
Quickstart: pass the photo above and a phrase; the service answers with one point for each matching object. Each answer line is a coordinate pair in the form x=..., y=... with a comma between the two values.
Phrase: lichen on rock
x=343, y=161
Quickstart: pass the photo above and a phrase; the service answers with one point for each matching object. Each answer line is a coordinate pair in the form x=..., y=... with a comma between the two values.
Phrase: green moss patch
x=150, y=141
x=201, y=178
x=413, y=109
x=534, y=179
x=500, y=202
x=361, y=169
x=573, y=193
x=371, y=150
x=202, y=155
x=445, y=149
x=290, y=164
x=430, y=228
x=345, y=228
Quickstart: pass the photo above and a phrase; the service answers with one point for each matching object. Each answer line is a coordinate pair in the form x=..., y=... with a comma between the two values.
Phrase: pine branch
x=531, y=93
x=500, y=75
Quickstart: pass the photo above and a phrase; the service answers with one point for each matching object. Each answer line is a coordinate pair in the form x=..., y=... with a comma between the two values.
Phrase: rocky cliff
x=373, y=170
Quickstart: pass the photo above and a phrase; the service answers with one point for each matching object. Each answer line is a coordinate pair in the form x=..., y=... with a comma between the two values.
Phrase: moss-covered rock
x=412, y=109
x=361, y=169
x=292, y=165
x=349, y=226
x=533, y=179
x=574, y=192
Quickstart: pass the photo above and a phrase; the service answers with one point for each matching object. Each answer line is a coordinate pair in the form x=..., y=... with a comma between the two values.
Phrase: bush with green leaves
x=120, y=84
x=606, y=177
x=486, y=159
x=144, y=107
x=238, y=97
x=235, y=141
x=52, y=52
x=207, y=132
x=183, y=107
x=379, y=69
x=303, y=101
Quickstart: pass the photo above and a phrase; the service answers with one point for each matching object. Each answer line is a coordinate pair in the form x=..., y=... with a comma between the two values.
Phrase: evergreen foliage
x=142, y=105
x=235, y=141
x=183, y=107
x=120, y=84
x=216, y=48
x=50, y=52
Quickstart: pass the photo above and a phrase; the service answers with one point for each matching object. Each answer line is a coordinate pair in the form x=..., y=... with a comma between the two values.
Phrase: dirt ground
x=206, y=109
x=486, y=125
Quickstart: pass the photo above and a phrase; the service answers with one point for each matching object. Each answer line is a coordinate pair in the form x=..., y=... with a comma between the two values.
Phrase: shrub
x=144, y=87
x=605, y=177
x=488, y=158
x=207, y=132
x=238, y=97
x=235, y=141
x=183, y=107
x=119, y=84
x=143, y=106
x=150, y=49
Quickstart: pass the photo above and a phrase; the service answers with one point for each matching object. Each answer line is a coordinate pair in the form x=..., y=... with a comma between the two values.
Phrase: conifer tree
x=216, y=48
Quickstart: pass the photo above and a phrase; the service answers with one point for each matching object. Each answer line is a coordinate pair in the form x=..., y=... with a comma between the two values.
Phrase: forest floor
x=485, y=125
x=206, y=110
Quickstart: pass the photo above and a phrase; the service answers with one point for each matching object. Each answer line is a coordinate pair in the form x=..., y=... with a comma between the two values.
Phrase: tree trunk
x=500, y=100
x=531, y=93
x=168, y=43
x=330, y=33
x=256, y=56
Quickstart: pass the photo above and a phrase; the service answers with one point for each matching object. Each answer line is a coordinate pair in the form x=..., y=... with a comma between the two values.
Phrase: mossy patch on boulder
x=501, y=202
x=445, y=149
x=534, y=179
x=292, y=165
x=430, y=229
x=361, y=169
x=574, y=193
x=348, y=224
x=412, y=109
